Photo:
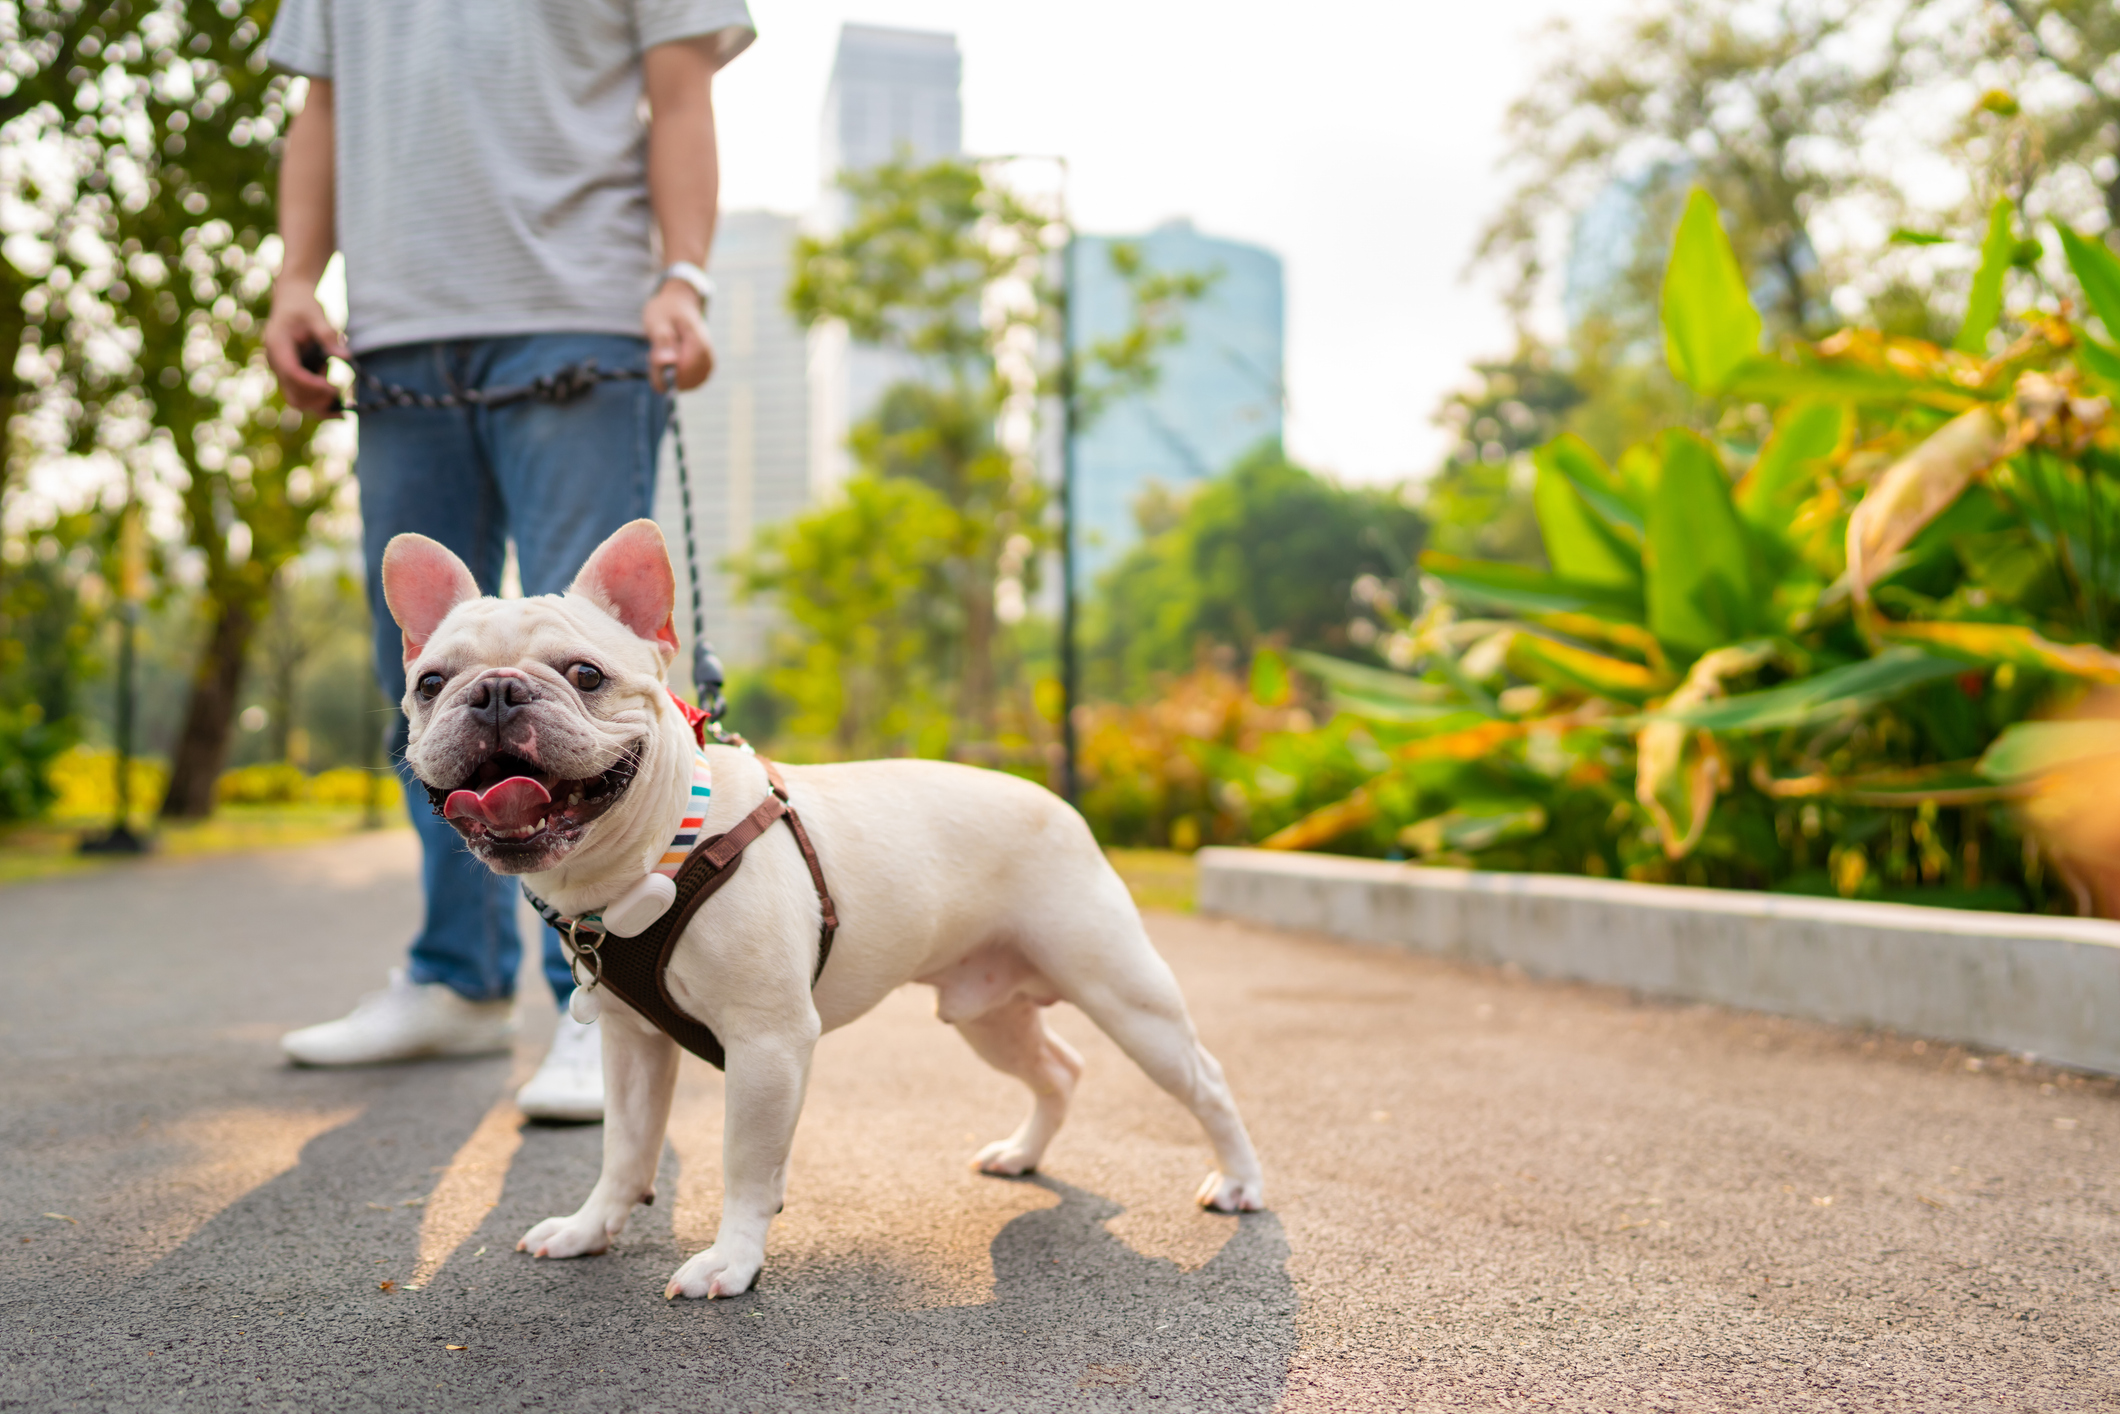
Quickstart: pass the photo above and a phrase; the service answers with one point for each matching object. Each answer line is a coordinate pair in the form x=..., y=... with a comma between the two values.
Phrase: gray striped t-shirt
x=492, y=160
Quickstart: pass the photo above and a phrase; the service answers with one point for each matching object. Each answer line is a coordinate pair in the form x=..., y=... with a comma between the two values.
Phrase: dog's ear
x=422, y=581
x=629, y=578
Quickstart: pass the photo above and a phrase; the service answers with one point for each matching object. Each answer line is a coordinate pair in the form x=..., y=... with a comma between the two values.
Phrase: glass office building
x=1220, y=390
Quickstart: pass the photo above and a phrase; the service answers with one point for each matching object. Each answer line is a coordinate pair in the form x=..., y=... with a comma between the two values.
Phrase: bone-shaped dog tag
x=640, y=906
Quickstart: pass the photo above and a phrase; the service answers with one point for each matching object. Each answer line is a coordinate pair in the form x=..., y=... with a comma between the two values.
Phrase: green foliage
x=861, y=582
x=1983, y=306
x=1267, y=552
x=916, y=581
x=132, y=301
x=1702, y=690
x=1710, y=327
x=1698, y=565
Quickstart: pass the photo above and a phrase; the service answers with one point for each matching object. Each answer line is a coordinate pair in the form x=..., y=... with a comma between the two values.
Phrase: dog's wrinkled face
x=531, y=717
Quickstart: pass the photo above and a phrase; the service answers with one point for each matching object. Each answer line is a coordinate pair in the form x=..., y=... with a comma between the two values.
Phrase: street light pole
x=1070, y=685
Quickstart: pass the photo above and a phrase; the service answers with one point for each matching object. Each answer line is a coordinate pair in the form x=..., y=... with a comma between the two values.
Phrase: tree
x=955, y=271
x=862, y=581
x=2046, y=131
x=1479, y=502
x=1267, y=552
x=1762, y=104
x=142, y=301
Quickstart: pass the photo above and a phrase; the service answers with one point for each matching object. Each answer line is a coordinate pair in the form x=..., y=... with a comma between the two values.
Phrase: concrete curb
x=2047, y=986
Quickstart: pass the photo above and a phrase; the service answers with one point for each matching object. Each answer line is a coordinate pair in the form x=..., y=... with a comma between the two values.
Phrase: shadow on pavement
x=275, y=1303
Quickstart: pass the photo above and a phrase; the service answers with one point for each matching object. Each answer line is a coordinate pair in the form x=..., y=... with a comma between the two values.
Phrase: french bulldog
x=544, y=728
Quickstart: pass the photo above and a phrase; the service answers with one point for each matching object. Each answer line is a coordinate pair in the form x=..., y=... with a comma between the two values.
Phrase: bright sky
x=1357, y=140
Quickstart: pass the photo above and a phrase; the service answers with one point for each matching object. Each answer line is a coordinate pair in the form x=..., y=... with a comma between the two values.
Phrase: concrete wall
x=2048, y=986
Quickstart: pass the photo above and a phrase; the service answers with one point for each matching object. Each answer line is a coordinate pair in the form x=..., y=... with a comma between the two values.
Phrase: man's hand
x=297, y=321
x=677, y=338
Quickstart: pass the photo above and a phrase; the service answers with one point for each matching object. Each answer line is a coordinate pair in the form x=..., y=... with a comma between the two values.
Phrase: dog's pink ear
x=422, y=581
x=629, y=578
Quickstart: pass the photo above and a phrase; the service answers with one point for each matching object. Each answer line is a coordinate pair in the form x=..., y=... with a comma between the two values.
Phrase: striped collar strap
x=689, y=825
x=694, y=819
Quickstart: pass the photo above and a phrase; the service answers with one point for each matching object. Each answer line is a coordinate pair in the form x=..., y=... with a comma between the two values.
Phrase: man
x=483, y=167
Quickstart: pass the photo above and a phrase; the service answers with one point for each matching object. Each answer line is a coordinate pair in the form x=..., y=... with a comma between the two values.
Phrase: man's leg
x=420, y=470
x=570, y=473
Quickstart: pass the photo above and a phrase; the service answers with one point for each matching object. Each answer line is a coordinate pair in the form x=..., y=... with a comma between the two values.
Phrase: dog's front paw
x=1010, y=1158
x=715, y=1272
x=1222, y=1194
x=576, y=1236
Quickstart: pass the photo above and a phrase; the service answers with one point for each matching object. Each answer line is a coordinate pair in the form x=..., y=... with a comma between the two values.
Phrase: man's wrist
x=685, y=273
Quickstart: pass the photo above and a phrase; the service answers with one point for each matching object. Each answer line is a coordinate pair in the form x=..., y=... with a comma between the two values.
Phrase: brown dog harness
x=636, y=968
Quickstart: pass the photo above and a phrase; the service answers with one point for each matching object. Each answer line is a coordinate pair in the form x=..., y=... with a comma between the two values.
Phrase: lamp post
x=1070, y=668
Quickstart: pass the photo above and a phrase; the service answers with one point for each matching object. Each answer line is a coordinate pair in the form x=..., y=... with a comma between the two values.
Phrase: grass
x=1159, y=878
x=45, y=848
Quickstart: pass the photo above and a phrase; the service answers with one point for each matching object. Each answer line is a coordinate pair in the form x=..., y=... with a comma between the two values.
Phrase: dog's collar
x=692, y=819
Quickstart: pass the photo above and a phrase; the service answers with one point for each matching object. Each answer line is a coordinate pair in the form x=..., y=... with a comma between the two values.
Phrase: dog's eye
x=430, y=686
x=585, y=678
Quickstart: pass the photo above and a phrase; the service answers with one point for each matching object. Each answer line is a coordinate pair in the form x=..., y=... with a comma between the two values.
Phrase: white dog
x=981, y=885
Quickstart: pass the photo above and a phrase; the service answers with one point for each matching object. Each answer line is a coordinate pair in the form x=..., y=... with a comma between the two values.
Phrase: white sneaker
x=570, y=1084
x=405, y=1021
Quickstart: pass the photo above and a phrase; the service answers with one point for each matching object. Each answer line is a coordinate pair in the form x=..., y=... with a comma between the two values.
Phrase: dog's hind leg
x=640, y=1075
x=1013, y=1039
x=1135, y=1000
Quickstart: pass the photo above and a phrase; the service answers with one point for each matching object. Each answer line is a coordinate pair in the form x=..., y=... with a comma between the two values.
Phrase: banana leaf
x=1787, y=466
x=2007, y=643
x=2027, y=750
x=1570, y=669
x=1617, y=503
x=1849, y=688
x=1528, y=590
x=1984, y=305
x=1918, y=487
x=1774, y=380
x=1701, y=587
x=1580, y=545
x=1371, y=682
x=1949, y=783
x=1710, y=326
x=1628, y=638
x=1469, y=831
x=2097, y=270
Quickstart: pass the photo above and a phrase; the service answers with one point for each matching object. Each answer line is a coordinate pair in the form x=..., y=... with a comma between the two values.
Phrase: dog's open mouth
x=510, y=810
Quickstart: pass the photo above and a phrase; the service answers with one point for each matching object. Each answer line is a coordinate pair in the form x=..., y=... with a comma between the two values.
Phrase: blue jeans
x=555, y=478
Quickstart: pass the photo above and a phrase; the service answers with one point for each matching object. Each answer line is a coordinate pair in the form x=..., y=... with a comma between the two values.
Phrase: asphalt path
x=1487, y=1193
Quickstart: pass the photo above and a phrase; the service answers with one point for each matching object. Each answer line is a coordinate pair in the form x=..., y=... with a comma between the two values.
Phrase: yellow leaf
x=1678, y=772
x=1916, y=488
x=1565, y=666
x=2008, y=643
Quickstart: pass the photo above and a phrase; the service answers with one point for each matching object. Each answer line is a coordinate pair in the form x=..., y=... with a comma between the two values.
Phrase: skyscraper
x=893, y=94
x=1219, y=394
x=746, y=433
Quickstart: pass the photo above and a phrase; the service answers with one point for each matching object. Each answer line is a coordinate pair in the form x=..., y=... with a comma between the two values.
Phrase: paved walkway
x=1488, y=1194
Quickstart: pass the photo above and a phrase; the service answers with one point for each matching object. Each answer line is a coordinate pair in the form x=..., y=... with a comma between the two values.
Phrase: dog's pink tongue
x=507, y=805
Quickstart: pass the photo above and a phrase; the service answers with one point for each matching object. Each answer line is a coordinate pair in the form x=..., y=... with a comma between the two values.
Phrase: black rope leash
x=574, y=381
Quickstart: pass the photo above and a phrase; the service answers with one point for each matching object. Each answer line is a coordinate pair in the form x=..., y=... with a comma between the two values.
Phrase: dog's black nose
x=498, y=698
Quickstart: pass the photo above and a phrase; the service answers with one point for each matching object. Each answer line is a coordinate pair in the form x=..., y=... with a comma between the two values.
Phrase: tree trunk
x=977, y=700
x=202, y=749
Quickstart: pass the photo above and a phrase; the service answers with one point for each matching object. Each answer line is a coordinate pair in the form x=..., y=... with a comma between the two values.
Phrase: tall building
x=1219, y=394
x=746, y=432
x=893, y=94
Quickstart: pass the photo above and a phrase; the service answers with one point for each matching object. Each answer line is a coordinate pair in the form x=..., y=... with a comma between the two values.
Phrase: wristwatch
x=692, y=275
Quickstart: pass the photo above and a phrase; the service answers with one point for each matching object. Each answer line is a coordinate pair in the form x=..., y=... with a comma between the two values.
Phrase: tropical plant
x=1805, y=660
